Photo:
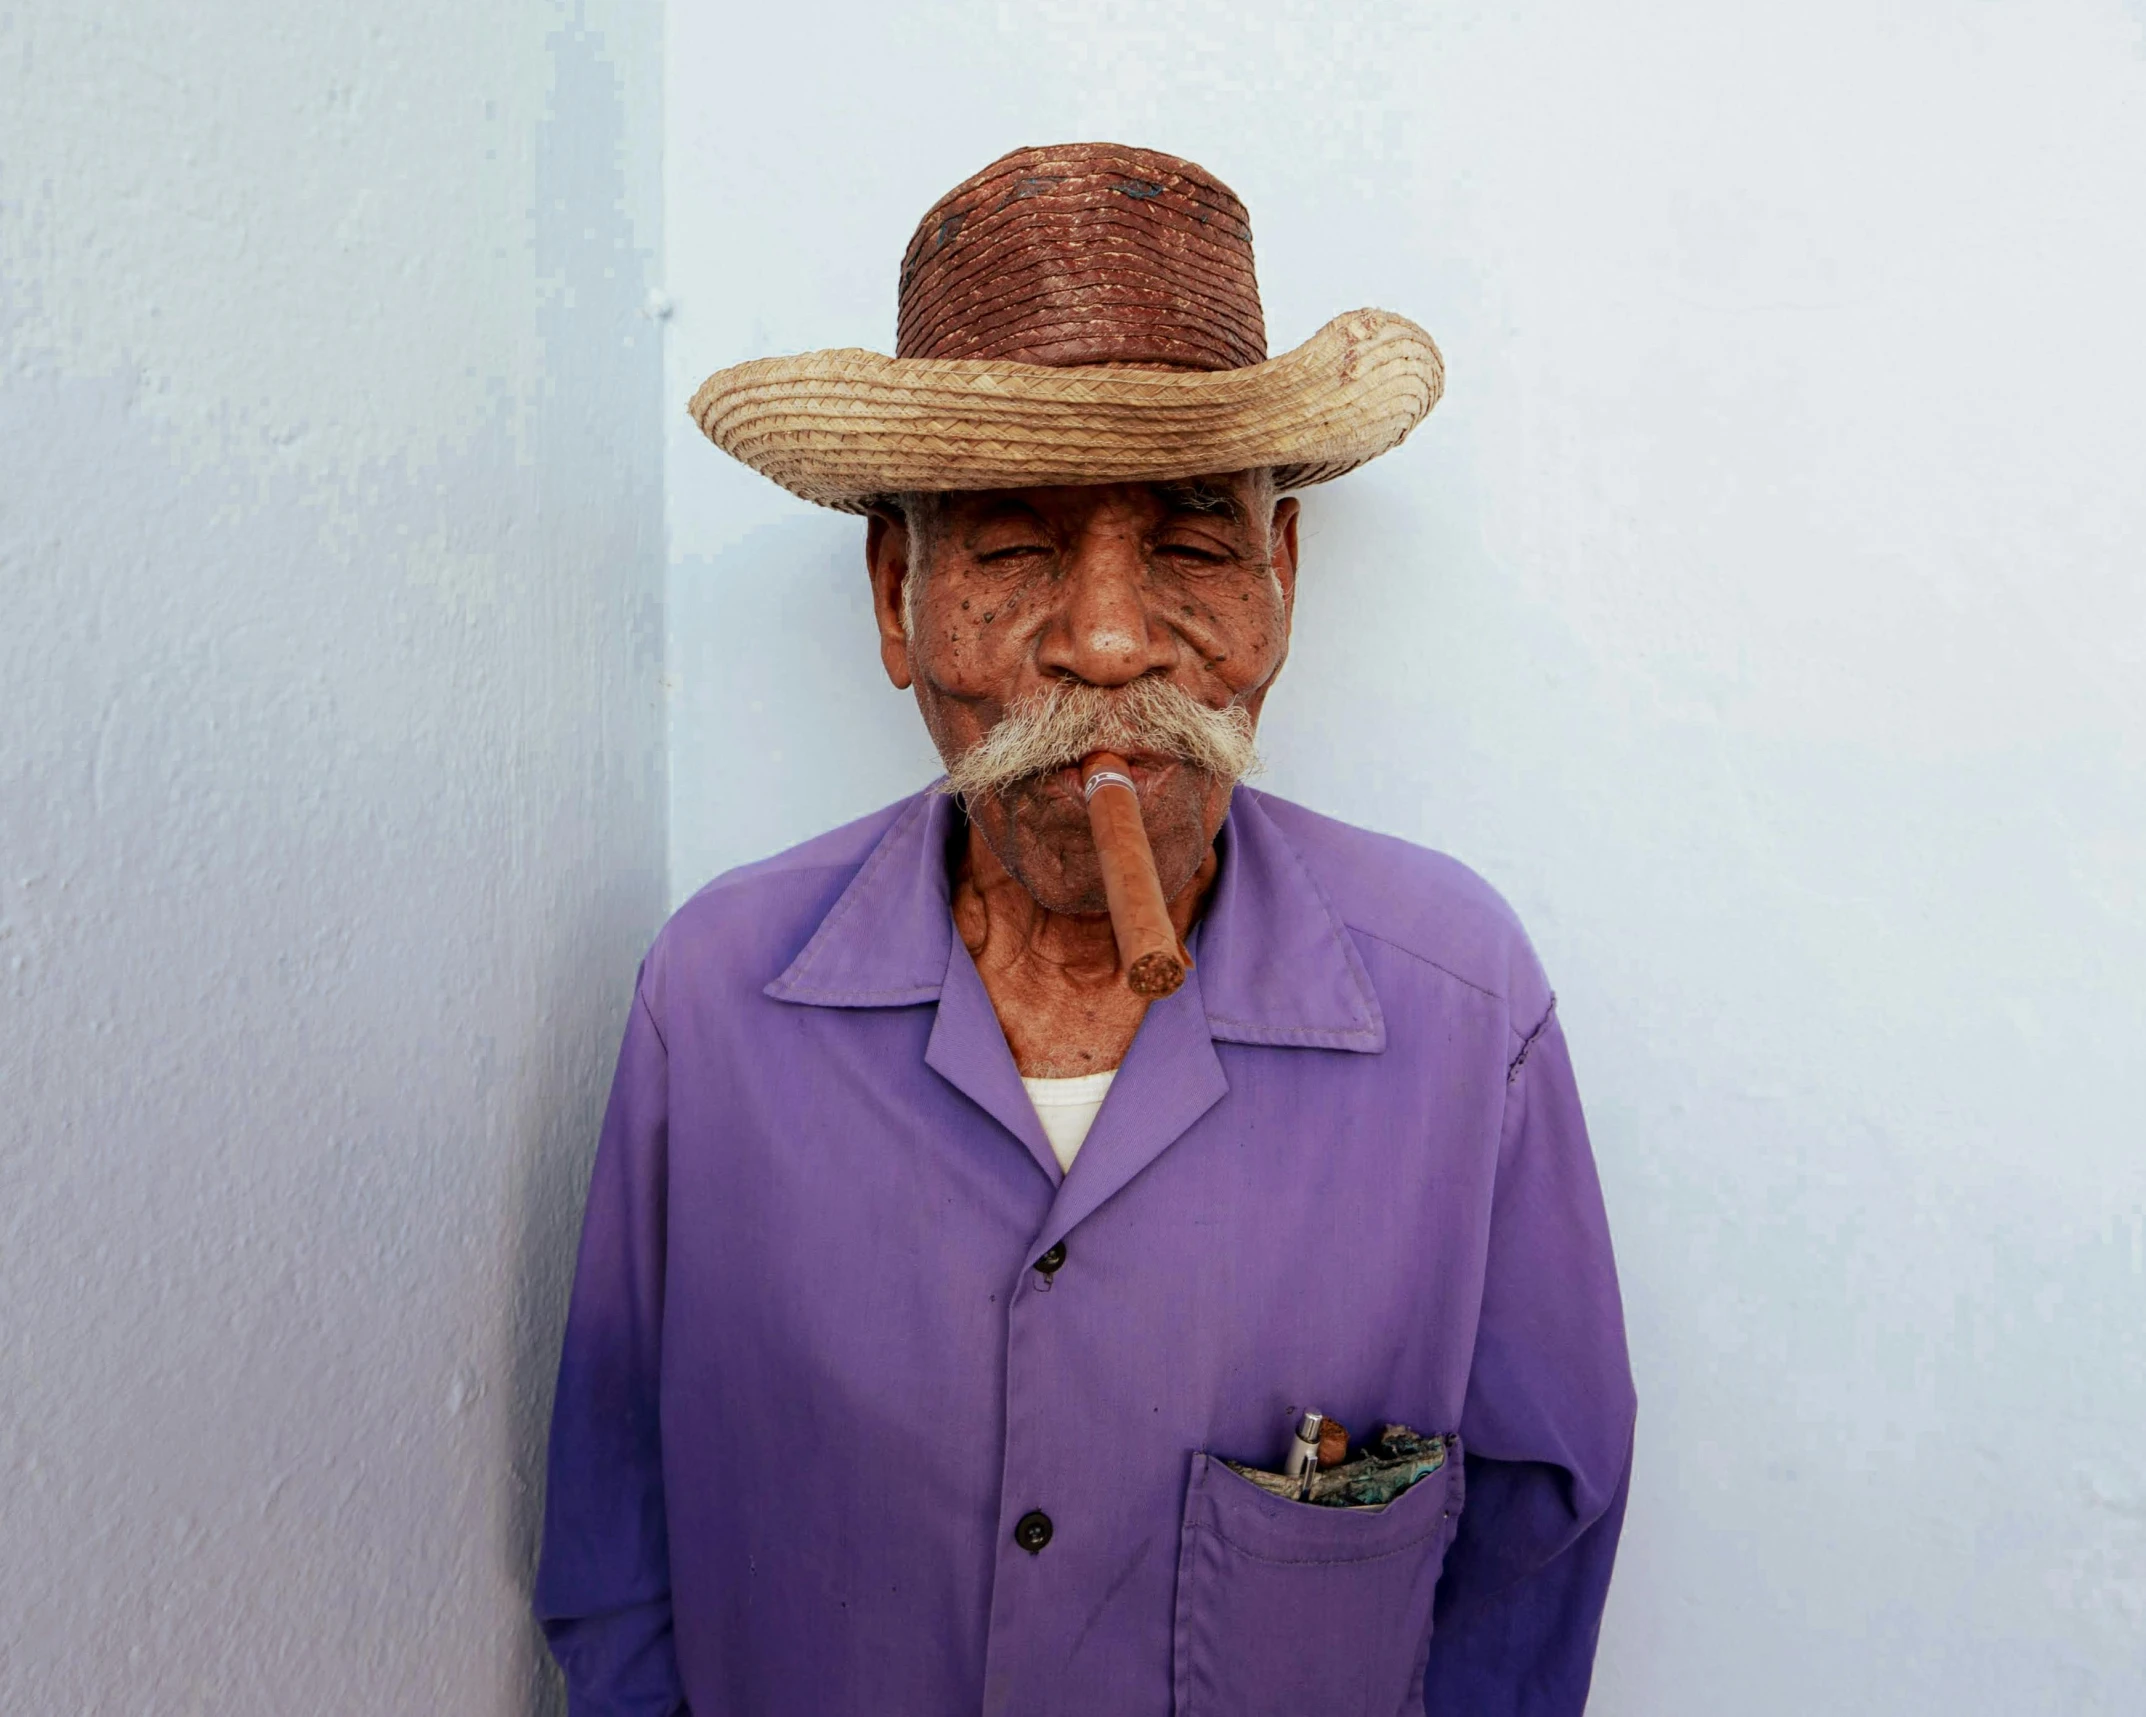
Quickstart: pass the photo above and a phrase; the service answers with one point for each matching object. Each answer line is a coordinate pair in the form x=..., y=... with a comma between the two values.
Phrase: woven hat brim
x=847, y=427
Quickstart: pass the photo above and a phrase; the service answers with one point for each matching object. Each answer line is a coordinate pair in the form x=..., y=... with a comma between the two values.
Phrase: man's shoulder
x=1418, y=902
x=764, y=912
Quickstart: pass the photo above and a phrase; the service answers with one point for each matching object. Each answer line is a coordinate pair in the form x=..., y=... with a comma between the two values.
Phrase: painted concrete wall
x=331, y=822
x=1761, y=611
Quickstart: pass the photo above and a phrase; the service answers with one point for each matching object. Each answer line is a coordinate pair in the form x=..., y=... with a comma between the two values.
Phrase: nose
x=1102, y=631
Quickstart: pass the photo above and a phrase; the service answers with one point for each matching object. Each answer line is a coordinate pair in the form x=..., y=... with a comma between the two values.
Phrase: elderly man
x=958, y=1328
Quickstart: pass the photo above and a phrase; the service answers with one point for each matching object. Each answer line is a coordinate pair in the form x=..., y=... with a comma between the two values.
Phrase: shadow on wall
x=556, y=1118
x=331, y=790
x=588, y=275
x=329, y=862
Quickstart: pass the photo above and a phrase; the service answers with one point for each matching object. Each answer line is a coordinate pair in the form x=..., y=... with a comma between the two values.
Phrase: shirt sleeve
x=1546, y=1425
x=603, y=1589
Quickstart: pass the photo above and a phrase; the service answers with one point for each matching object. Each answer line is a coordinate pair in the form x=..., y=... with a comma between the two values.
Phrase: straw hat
x=1086, y=313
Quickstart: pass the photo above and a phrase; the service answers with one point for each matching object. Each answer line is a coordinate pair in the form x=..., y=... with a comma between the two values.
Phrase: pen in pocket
x=1302, y=1461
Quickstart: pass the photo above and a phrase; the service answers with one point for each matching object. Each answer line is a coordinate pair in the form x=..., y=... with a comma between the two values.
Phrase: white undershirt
x=1067, y=1108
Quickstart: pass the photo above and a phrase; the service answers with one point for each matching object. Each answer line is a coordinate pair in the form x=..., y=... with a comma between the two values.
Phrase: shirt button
x=1048, y=1264
x=1033, y=1531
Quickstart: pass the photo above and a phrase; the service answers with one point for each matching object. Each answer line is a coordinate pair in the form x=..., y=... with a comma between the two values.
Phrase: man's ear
x=1282, y=534
x=886, y=559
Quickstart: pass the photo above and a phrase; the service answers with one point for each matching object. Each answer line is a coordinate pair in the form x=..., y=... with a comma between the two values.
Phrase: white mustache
x=1062, y=724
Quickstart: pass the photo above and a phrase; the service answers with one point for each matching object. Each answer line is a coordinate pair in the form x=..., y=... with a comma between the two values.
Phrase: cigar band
x=1106, y=778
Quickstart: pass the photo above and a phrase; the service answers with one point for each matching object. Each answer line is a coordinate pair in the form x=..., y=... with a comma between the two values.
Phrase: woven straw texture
x=1084, y=253
x=1081, y=313
x=847, y=428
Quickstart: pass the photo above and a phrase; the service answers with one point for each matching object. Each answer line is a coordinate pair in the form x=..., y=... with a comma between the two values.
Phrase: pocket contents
x=1285, y=1607
x=1372, y=1477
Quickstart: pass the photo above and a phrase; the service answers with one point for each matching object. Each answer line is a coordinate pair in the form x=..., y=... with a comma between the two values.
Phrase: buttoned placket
x=1170, y=1078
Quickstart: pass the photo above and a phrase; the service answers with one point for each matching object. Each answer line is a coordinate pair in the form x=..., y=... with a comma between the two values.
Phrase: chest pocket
x=1288, y=1607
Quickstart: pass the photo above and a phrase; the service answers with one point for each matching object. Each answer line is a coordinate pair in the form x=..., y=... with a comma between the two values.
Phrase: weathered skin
x=1103, y=584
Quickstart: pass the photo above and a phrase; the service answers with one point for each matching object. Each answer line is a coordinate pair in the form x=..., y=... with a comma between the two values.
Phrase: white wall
x=331, y=822
x=1762, y=611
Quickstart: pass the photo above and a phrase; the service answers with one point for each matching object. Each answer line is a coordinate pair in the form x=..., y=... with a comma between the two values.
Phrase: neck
x=1053, y=977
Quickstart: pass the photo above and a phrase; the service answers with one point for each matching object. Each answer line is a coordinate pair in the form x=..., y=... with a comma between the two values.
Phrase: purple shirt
x=814, y=1382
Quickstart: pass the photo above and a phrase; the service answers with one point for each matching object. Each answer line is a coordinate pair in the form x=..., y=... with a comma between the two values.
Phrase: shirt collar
x=884, y=942
x=1276, y=964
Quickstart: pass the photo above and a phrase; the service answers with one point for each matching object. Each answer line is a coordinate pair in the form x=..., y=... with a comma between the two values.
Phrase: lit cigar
x=1149, y=954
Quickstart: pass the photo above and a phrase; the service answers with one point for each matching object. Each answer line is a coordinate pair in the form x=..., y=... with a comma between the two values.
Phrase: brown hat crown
x=1085, y=253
